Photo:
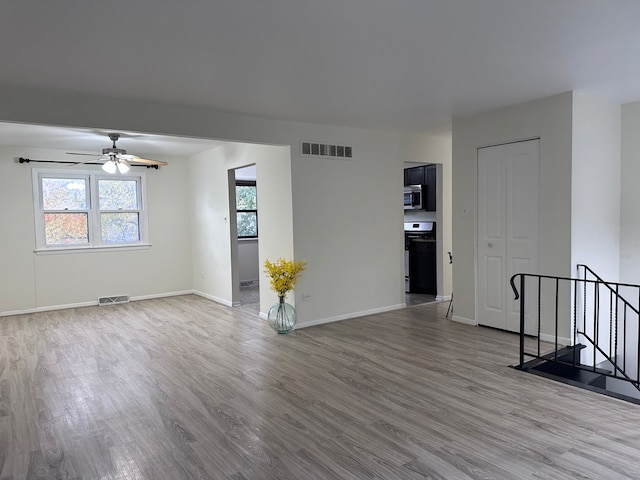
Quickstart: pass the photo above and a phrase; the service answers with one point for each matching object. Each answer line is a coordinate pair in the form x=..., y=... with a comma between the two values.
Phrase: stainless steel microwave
x=414, y=197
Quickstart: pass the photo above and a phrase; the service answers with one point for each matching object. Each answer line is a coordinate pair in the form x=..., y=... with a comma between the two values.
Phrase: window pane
x=246, y=197
x=120, y=227
x=66, y=228
x=247, y=224
x=118, y=194
x=64, y=193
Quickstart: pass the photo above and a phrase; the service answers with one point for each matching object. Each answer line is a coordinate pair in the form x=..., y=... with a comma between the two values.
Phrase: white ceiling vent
x=102, y=301
x=310, y=149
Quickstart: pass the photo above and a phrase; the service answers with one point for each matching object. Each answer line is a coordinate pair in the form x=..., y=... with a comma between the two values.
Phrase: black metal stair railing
x=621, y=333
x=584, y=323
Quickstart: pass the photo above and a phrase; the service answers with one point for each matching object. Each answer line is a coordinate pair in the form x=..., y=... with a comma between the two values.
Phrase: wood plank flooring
x=183, y=388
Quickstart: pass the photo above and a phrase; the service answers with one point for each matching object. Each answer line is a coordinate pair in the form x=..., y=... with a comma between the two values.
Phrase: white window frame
x=93, y=212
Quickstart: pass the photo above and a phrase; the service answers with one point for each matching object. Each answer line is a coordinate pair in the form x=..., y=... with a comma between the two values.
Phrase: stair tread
x=570, y=372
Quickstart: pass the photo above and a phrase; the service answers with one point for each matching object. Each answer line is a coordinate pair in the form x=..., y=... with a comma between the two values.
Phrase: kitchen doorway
x=422, y=209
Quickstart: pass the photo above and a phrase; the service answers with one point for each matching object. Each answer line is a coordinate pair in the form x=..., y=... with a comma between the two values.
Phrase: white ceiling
x=93, y=141
x=390, y=64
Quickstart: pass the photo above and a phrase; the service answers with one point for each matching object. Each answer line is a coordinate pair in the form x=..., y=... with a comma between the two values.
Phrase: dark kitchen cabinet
x=430, y=182
x=416, y=176
x=424, y=175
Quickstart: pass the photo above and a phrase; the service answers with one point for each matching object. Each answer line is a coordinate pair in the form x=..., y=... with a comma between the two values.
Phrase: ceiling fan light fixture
x=123, y=166
x=118, y=160
x=109, y=166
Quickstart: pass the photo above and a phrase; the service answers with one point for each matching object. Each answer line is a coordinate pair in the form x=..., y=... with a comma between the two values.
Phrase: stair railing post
x=575, y=319
x=521, y=321
x=638, y=344
x=556, y=319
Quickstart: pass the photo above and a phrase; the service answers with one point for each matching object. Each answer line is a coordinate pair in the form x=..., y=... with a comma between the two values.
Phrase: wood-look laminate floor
x=183, y=388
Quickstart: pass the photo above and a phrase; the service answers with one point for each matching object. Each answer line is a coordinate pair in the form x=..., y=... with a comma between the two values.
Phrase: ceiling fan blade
x=146, y=161
x=113, y=152
x=73, y=164
x=95, y=159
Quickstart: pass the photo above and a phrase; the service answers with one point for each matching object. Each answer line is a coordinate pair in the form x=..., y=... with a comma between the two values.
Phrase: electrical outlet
x=306, y=296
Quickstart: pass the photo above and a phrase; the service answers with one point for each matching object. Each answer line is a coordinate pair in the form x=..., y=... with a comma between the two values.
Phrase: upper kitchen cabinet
x=423, y=175
x=430, y=182
x=414, y=176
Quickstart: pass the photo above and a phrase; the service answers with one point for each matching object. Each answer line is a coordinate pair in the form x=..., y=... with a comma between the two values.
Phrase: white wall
x=348, y=226
x=630, y=195
x=210, y=233
x=550, y=119
x=595, y=185
x=248, y=261
x=32, y=281
x=595, y=199
x=214, y=229
x=629, y=217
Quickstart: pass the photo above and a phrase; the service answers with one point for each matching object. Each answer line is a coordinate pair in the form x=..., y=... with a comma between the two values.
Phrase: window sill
x=101, y=249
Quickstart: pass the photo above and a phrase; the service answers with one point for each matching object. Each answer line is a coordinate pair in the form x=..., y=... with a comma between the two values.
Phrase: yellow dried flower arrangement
x=284, y=274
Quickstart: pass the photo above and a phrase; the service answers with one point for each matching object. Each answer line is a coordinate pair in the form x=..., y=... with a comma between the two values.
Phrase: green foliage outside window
x=118, y=194
x=247, y=210
x=118, y=203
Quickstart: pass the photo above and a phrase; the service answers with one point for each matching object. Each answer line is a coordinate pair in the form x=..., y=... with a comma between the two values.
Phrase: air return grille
x=102, y=301
x=310, y=149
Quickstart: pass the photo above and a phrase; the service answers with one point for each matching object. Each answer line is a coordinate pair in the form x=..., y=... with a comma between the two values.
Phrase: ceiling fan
x=117, y=160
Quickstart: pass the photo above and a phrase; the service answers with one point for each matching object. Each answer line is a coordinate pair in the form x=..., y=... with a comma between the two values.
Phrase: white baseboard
x=161, y=295
x=467, y=321
x=66, y=306
x=443, y=298
x=321, y=321
x=213, y=298
x=48, y=308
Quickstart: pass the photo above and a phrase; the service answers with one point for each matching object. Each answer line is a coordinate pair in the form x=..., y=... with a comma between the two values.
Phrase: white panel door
x=508, y=185
x=523, y=179
x=492, y=237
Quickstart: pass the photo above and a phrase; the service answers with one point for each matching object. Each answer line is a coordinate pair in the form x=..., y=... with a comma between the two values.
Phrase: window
x=86, y=210
x=247, y=209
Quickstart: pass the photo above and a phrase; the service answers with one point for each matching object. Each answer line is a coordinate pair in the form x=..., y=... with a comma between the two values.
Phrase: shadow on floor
x=250, y=298
x=413, y=299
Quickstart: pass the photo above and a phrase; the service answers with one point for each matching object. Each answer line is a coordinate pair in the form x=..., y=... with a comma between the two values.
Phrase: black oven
x=420, y=258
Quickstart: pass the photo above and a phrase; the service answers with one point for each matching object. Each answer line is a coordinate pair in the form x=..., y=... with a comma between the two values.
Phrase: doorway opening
x=422, y=236
x=246, y=238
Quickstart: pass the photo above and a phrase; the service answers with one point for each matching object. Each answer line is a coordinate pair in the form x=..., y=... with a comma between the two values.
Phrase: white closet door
x=492, y=237
x=508, y=185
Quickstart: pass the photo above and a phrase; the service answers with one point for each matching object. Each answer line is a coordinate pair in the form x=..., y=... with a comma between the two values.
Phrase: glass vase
x=282, y=317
